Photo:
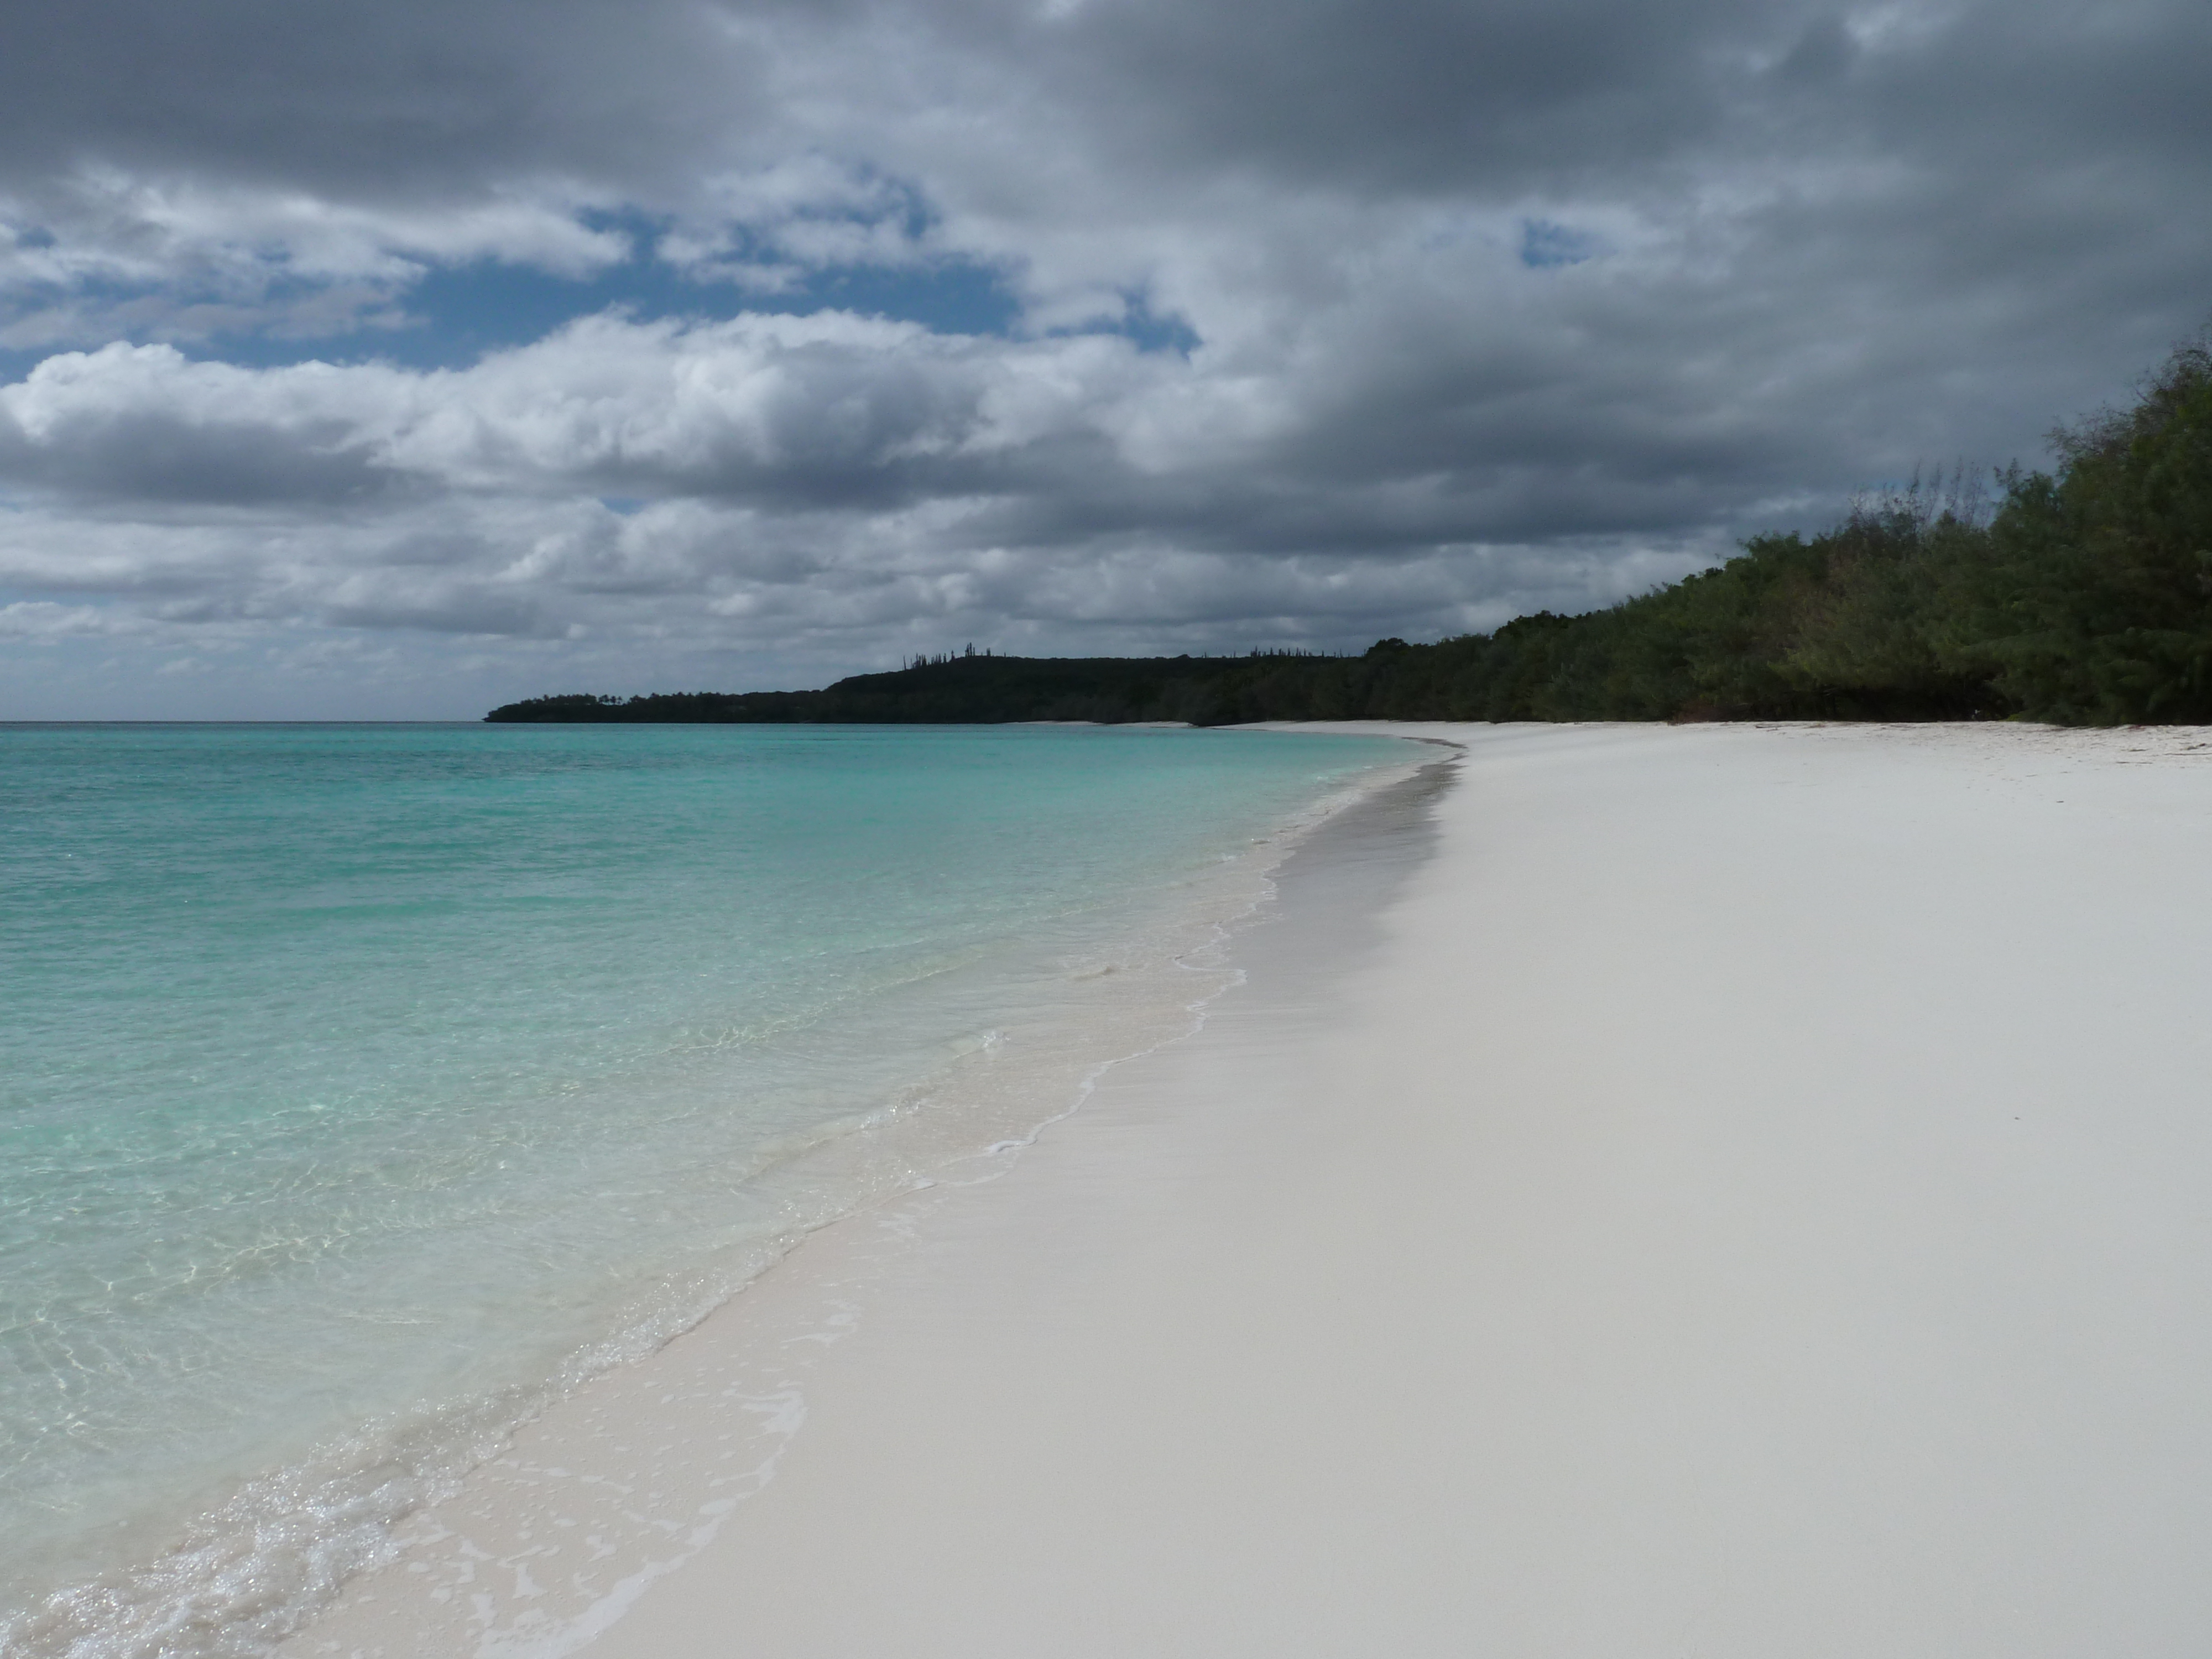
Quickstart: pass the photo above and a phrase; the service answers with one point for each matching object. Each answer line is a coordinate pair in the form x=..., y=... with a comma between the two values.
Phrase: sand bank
x=1740, y=1192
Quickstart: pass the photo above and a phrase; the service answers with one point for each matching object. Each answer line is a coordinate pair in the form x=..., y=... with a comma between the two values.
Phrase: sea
x=365, y=1088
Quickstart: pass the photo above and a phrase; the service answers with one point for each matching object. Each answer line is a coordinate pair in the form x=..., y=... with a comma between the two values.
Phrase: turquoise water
x=359, y=1084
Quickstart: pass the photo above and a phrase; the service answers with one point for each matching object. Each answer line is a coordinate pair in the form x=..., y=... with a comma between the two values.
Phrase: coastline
x=729, y=1115
x=1735, y=1192
x=1084, y=1015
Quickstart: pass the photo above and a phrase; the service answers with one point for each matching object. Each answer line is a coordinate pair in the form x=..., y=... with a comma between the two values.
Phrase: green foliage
x=2099, y=609
x=2085, y=597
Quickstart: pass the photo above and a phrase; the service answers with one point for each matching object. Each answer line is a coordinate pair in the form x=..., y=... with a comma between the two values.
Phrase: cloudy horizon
x=398, y=362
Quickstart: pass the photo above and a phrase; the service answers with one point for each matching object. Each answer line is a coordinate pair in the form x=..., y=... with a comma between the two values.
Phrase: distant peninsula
x=2080, y=597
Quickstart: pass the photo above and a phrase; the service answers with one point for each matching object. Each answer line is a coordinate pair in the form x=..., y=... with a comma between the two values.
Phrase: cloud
x=35, y=619
x=1311, y=322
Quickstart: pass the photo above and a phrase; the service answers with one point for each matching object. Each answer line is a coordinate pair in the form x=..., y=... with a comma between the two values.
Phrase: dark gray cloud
x=1489, y=305
x=1425, y=96
x=398, y=101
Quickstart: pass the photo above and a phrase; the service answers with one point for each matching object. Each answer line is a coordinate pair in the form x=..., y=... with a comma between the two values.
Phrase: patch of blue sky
x=1545, y=243
x=452, y=315
x=467, y=310
x=1149, y=330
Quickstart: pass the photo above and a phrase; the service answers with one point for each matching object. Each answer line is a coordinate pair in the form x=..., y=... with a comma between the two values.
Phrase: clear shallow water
x=357, y=1085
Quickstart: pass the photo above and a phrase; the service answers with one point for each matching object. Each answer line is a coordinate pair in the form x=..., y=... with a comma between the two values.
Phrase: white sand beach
x=1742, y=1191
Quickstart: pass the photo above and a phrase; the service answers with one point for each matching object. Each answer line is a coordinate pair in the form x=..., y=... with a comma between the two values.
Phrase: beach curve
x=1739, y=1192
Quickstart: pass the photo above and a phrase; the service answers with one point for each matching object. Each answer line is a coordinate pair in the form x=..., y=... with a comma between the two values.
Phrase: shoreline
x=958, y=1065
x=1736, y=1194
x=1144, y=996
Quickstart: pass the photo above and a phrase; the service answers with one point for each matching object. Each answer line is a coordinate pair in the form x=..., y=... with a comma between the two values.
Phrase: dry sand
x=1748, y=1192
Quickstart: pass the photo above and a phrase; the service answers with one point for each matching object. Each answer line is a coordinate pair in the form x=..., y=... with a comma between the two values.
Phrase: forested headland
x=2080, y=596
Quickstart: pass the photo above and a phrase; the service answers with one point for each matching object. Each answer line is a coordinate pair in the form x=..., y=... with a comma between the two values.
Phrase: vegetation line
x=2082, y=596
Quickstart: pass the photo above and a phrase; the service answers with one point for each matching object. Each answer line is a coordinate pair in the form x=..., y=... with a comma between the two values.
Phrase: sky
x=394, y=361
